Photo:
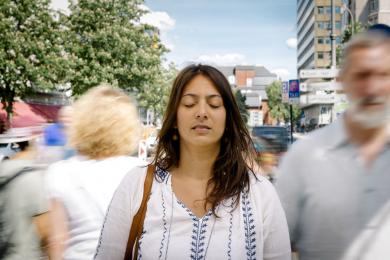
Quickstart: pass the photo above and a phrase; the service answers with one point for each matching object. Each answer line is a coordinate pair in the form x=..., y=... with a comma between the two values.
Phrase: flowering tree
x=107, y=43
x=31, y=52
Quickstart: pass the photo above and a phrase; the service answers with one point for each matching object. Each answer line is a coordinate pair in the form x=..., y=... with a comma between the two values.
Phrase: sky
x=226, y=32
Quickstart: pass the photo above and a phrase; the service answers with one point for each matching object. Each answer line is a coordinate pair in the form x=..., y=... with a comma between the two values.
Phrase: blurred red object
x=26, y=115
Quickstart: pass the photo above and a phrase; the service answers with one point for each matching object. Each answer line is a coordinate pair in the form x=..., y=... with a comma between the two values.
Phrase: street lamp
x=345, y=8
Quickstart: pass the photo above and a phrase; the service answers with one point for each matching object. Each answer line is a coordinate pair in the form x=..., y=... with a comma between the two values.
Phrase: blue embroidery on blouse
x=230, y=231
x=198, y=237
x=249, y=223
x=162, y=174
x=139, y=244
x=199, y=231
x=164, y=225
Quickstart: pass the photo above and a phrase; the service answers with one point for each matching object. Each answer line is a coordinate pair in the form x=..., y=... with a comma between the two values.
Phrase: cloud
x=292, y=43
x=282, y=73
x=228, y=59
x=161, y=20
x=60, y=5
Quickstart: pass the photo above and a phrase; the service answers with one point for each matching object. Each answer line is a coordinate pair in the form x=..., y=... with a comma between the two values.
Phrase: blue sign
x=293, y=88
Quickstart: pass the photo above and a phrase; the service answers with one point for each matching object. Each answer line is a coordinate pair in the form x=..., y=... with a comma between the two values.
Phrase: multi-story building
x=314, y=29
x=252, y=81
x=370, y=11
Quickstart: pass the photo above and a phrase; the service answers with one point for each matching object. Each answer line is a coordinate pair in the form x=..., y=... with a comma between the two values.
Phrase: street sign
x=320, y=86
x=285, y=94
x=318, y=73
x=293, y=91
x=324, y=86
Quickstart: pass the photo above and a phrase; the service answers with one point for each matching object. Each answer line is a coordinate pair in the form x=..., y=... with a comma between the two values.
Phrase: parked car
x=270, y=142
x=266, y=156
x=7, y=150
x=9, y=141
x=277, y=136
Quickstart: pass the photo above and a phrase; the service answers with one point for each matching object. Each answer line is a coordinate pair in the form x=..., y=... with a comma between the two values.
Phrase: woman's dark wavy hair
x=230, y=174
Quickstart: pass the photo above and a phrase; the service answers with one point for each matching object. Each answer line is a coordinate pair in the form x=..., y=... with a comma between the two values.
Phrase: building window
x=373, y=6
x=321, y=10
x=338, y=40
x=323, y=55
x=328, y=10
x=328, y=25
x=323, y=40
x=249, y=82
x=323, y=25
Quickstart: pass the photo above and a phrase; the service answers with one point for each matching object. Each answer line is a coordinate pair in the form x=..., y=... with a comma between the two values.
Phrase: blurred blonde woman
x=104, y=131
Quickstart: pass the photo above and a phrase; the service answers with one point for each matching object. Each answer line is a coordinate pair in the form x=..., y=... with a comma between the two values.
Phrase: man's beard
x=370, y=118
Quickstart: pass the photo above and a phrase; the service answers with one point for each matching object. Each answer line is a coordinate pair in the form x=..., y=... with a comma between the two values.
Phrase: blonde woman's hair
x=104, y=123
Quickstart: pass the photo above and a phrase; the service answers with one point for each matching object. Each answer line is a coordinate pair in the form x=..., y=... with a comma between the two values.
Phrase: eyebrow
x=207, y=97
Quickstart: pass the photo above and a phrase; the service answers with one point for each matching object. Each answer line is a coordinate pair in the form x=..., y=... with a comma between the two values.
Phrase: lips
x=201, y=127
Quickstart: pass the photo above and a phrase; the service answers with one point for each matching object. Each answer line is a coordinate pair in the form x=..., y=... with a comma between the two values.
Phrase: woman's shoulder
x=125, y=160
x=135, y=176
x=260, y=185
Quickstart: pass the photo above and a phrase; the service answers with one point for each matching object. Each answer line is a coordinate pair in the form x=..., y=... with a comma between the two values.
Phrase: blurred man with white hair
x=335, y=183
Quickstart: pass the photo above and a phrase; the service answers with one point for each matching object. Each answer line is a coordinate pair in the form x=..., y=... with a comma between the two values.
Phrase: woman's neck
x=197, y=163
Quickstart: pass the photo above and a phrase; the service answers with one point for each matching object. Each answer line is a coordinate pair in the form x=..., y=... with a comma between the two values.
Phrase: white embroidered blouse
x=255, y=229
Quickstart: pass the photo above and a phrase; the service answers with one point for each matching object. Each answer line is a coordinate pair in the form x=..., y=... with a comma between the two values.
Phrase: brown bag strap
x=138, y=220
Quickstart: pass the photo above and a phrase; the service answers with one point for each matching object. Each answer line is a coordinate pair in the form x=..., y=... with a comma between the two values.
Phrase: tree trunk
x=7, y=99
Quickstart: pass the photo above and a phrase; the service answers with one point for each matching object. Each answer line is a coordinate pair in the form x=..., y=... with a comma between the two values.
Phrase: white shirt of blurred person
x=202, y=140
x=104, y=130
x=25, y=217
x=335, y=183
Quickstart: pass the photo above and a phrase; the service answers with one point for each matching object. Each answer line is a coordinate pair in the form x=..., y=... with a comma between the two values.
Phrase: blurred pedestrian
x=205, y=200
x=334, y=184
x=24, y=216
x=105, y=131
x=54, y=144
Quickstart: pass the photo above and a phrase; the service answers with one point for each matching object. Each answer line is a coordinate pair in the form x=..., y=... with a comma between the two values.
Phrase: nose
x=201, y=113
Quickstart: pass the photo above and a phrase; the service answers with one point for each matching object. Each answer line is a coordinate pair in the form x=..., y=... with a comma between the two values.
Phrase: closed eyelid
x=190, y=99
x=214, y=97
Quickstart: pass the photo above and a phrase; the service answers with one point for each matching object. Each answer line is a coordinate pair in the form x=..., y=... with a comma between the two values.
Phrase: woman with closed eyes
x=205, y=201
